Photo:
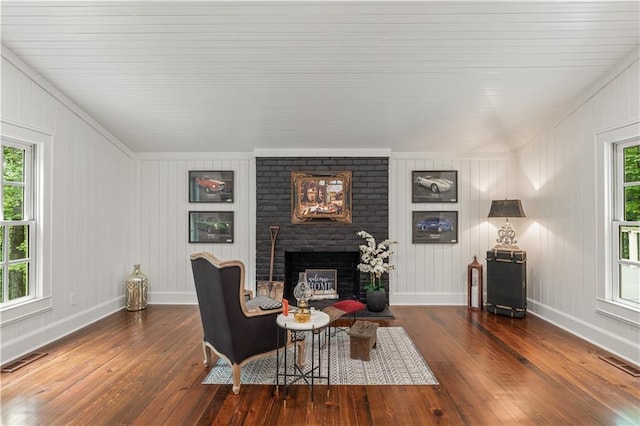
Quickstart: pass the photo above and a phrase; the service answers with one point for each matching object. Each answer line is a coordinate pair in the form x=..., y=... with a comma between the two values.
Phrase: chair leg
x=235, y=369
x=207, y=354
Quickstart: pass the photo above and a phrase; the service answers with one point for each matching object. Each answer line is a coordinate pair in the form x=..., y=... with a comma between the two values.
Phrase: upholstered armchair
x=231, y=330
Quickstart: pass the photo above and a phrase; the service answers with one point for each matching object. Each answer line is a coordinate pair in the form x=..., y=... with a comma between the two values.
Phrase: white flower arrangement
x=374, y=259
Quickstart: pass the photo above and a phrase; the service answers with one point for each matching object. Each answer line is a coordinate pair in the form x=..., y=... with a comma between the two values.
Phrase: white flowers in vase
x=374, y=259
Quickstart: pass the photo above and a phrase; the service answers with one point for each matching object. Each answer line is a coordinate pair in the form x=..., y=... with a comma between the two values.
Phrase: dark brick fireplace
x=370, y=211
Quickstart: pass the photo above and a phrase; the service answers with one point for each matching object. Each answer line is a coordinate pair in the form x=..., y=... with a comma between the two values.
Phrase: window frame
x=607, y=244
x=28, y=219
x=42, y=210
x=618, y=221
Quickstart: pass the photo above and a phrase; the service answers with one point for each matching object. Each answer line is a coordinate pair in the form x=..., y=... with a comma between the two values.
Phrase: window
x=17, y=223
x=25, y=241
x=617, y=242
x=626, y=224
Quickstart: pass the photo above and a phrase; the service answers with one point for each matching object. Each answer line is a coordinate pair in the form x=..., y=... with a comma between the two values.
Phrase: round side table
x=317, y=321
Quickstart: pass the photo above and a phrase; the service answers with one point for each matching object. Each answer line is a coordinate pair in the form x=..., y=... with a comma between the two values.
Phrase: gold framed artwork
x=318, y=197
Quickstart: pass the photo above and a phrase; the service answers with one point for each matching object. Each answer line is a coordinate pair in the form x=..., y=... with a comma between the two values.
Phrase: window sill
x=618, y=312
x=15, y=313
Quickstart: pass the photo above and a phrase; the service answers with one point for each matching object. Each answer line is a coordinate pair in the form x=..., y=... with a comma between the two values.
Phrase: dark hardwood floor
x=146, y=368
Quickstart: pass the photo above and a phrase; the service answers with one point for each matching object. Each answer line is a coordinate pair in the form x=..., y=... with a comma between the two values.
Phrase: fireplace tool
x=273, y=289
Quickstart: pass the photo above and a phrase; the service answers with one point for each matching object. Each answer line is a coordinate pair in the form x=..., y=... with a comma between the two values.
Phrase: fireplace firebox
x=344, y=262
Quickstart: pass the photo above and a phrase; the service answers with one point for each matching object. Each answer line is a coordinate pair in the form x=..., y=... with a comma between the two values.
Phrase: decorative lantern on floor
x=474, y=285
x=136, y=290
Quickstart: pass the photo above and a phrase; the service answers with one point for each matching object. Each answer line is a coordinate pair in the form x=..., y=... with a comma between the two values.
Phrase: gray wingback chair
x=230, y=329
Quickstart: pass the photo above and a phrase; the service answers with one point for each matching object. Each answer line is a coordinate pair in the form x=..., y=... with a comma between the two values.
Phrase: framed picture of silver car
x=435, y=227
x=214, y=186
x=210, y=227
x=439, y=186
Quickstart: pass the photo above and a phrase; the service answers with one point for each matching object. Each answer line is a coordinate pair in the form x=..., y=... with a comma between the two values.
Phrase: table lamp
x=506, y=234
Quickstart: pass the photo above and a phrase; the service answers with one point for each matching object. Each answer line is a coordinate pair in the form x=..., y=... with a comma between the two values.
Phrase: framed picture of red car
x=211, y=186
x=434, y=227
x=210, y=227
x=434, y=186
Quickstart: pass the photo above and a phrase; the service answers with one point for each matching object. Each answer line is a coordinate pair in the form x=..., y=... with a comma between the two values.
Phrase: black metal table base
x=301, y=373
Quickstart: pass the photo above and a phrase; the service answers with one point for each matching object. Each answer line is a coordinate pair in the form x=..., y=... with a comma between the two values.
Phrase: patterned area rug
x=395, y=361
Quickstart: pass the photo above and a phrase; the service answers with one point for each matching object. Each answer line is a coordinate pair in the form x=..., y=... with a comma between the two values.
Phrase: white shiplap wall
x=92, y=180
x=425, y=274
x=557, y=181
x=435, y=274
x=164, y=208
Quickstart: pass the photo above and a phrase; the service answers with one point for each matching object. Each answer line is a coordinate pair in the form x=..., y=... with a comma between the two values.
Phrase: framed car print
x=435, y=227
x=320, y=197
x=215, y=186
x=438, y=186
x=210, y=227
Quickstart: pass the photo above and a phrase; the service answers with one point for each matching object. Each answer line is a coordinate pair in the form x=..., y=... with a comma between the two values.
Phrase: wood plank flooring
x=146, y=368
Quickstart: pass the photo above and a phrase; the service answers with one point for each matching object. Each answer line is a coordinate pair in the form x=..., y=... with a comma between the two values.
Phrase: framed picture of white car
x=211, y=186
x=434, y=227
x=434, y=186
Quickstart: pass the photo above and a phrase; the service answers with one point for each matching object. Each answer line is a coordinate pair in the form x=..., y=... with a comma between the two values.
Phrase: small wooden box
x=362, y=337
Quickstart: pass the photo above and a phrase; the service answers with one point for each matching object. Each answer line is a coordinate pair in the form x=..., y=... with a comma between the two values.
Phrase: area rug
x=395, y=361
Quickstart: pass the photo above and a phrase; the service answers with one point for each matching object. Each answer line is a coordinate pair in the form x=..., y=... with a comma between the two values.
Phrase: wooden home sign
x=323, y=283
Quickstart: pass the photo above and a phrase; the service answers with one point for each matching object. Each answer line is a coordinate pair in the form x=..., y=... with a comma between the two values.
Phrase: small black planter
x=376, y=300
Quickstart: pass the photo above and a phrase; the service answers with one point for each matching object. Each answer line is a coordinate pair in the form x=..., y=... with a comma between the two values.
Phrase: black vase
x=376, y=300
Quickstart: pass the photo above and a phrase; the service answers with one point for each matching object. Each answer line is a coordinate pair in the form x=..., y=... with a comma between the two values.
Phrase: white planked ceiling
x=408, y=76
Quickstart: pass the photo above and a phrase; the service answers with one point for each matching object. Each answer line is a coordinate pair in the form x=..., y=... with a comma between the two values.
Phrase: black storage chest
x=507, y=282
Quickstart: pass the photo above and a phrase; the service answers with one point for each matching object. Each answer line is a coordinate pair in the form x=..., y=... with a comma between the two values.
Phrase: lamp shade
x=506, y=208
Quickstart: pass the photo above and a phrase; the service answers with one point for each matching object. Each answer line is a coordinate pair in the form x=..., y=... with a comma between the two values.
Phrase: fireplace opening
x=344, y=262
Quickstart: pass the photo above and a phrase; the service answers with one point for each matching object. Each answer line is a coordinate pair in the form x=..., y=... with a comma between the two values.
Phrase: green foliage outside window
x=13, y=198
x=632, y=174
x=631, y=198
x=632, y=164
x=18, y=281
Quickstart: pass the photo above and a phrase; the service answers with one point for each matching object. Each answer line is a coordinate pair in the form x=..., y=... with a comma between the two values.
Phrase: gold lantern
x=136, y=290
x=302, y=293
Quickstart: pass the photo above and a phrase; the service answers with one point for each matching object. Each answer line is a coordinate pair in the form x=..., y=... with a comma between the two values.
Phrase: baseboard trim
x=172, y=298
x=35, y=340
x=427, y=299
x=609, y=342
x=30, y=342
x=190, y=298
